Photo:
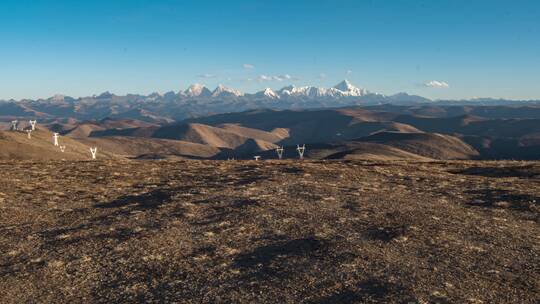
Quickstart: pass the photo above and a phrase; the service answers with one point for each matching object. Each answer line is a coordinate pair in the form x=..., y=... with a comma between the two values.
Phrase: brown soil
x=269, y=232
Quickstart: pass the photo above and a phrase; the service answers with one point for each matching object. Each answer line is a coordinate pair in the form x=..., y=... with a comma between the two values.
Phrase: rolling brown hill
x=273, y=136
x=472, y=125
x=136, y=147
x=225, y=136
x=242, y=135
x=349, y=150
x=86, y=128
x=375, y=152
x=431, y=145
x=178, y=140
x=492, y=138
x=386, y=146
x=357, y=133
x=313, y=126
x=479, y=110
x=16, y=145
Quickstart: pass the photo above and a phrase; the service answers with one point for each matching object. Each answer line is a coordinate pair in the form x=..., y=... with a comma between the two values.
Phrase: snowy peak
x=223, y=91
x=342, y=89
x=307, y=91
x=350, y=90
x=197, y=90
x=344, y=86
x=287, y=90
x=268, y=93
x=58, y=97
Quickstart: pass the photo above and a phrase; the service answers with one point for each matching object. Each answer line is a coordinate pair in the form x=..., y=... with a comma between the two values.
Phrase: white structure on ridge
x=301, y=150
x=62, y=149
x=55, y=138
x=279, y=151
x=14, y=125
x=257, y=157
x=33, y=124
x=93, y=151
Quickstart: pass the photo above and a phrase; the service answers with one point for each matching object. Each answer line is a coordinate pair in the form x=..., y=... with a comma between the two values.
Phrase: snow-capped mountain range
x=198, y=100
x=342, y=89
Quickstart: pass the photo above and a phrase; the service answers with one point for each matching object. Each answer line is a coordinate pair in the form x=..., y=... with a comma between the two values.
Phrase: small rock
x=55, y=264
x=502, y=204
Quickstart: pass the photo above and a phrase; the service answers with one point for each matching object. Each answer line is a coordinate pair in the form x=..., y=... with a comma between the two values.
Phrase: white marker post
x=257, y=157
x=94, y=152
x=301, y=150
x=62, y=149
x=14, y=125
x=29, y=132
x=55, y=138
x=33, y=124
x=279, y=151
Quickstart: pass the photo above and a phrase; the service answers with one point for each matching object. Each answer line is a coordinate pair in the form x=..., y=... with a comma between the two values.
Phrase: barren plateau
x=269, y=232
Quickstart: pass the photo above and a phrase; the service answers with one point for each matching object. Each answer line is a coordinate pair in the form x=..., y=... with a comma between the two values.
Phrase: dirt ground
x=269, y=232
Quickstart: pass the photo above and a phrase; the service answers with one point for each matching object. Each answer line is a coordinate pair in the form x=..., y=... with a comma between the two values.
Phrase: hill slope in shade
x=431, y=145
x=313, y=126
x=273, y=136
x=87, y=128
x=384, y=146
x=372, y=151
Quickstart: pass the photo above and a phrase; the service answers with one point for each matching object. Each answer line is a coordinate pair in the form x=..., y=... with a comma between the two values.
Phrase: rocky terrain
x=111, y=231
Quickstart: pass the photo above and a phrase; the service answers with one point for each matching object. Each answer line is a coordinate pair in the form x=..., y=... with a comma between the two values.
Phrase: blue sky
x=479, y=48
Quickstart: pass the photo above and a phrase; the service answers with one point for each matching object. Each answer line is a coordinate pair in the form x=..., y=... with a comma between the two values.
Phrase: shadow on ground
x=525, y=204
x=528, y=171
x=280, y=258
x=149, y=200
x=371, y=290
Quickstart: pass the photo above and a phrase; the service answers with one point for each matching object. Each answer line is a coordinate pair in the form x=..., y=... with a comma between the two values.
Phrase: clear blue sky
x=480, y=48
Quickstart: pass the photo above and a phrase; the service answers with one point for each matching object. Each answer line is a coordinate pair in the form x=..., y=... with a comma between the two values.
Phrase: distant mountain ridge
x=198, y=100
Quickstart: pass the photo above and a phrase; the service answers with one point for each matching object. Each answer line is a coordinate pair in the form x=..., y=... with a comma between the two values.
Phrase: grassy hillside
x=16, y=145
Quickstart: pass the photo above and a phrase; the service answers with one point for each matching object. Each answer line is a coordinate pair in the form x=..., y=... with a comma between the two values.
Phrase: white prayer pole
x=55, y=137
x=33, y=124
x=93, y=151
x=257, y=157
x=14, y=125
x=29, y=132
x=301, y=150
x=62, y=149
x=279, y=151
